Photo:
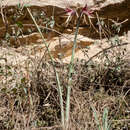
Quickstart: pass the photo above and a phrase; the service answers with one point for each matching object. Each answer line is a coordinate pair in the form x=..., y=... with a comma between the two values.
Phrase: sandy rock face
x=111, y=14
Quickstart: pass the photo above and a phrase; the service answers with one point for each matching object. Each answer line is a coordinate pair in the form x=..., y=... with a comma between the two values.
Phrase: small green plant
x=105, y=124
x=85, y=11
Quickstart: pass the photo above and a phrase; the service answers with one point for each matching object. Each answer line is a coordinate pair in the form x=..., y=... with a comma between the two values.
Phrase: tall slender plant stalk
x=57, y=76
x=71, y=65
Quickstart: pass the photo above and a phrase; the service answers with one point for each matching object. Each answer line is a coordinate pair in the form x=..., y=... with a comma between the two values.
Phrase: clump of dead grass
x=34, y=102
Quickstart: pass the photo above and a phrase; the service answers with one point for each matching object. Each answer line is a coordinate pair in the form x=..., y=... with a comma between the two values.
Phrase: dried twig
x=104, y=50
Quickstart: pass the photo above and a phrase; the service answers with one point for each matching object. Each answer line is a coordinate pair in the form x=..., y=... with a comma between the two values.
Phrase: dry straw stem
x=57, y=76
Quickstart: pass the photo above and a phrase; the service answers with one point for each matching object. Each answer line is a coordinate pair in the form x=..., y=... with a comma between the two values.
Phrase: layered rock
x=114, y=14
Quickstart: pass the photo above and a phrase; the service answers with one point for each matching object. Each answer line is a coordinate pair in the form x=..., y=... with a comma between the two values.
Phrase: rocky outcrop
x=112, y=15
x=17, y=23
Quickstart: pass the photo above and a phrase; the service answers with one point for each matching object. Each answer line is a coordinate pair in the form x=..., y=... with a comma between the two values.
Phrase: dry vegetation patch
x=32, y=100
x=29, y=94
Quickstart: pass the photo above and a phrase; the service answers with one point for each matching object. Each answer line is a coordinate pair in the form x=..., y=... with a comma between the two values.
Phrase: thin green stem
x=57, y=76
x=70, y=74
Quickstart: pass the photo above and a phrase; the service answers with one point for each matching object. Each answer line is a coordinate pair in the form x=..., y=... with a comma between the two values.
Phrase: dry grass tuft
x=32, y=102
